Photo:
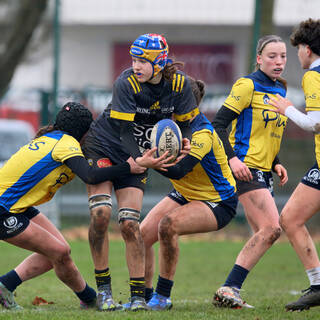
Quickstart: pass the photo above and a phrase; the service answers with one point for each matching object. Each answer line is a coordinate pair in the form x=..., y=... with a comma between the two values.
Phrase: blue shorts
x=261, y=180
x=12, y=224
x=312, y=177
x=224, y=211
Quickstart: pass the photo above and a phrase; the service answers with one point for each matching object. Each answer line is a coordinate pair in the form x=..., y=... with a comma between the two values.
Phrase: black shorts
x=12, y=224
x=261, y=180
x=312, y=177
x=224, y=211
x=97, y=158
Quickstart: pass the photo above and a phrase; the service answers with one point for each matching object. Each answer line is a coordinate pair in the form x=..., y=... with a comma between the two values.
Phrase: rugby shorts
x=224, y=211
x=261, y=180
x=12, y=224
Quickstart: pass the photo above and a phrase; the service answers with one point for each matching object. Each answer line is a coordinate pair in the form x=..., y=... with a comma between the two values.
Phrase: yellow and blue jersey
x=257, y=132
x=211, y=179
x=34, y=173
x=311, y=89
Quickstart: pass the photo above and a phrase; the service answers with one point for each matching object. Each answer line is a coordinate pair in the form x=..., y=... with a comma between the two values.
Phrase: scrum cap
x=153, y=48
x=74, y=119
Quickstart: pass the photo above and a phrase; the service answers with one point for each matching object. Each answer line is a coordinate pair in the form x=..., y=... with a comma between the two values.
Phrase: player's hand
x=147, y=160
x=281, y=171
x=240, y=169
x=186, y=147
x=134, y=167
x=281, y=104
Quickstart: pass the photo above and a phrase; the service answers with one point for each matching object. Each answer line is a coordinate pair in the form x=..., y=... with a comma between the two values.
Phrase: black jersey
x=143, y=104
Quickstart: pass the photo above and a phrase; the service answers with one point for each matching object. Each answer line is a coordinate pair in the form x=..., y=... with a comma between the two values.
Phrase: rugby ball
x=166, y=136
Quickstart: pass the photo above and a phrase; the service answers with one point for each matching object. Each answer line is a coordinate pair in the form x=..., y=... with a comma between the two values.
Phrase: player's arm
x=307, y=121
x=220, y=123
x=179, y=170
x=185, y=129
x=91, y=175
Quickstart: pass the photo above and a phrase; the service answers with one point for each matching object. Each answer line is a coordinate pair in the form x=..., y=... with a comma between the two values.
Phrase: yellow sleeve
x=311, y=89
x=240, y=96
x=67, y=147
x=201, y=143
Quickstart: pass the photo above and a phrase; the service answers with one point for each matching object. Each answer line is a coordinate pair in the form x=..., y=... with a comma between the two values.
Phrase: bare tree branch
x=28, y=17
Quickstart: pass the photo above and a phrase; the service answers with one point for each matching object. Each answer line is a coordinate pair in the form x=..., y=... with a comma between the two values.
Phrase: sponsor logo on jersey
x=266, y=99
x=104, y=163
x=311, y=96
x=269, y=116
x=233, y=96
x=62, y=179
x=155, y=106
x=197, y=145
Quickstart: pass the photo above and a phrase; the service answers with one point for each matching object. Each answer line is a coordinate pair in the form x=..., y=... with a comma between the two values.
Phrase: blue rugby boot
x=7, y=299
x=159, y=302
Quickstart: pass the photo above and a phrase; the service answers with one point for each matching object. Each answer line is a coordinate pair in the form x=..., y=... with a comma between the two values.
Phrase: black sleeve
x=181, y=168
x=90, y=175
x=185, y=129
x=220, y=123
x=128, y=141
x=275, y=162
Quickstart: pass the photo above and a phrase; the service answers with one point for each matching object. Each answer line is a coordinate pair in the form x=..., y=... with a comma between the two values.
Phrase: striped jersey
x=211, y=179
x=35, y=172
x=311, y=89
x=144, y=104
x=257, y=132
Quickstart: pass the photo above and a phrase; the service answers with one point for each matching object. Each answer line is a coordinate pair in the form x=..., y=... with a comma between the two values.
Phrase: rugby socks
x=137, y=287
x=87, y=295
x=103, y=278
x=236, y=277
x=11, y=280
x=314, y=277
x=164, y=286
x=149, y=293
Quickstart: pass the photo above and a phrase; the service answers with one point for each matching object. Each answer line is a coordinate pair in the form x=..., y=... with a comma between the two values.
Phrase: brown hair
x=197, y=87
x=308, y=33
x=44, y=130
x=171, y=68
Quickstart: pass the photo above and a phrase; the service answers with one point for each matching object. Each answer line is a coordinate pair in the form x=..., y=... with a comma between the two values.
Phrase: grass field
x=202, y=268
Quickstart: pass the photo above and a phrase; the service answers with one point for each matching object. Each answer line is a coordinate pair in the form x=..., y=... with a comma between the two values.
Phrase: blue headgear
x=153, y=48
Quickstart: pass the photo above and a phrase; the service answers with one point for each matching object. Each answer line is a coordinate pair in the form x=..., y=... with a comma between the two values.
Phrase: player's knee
x=100, y=200
x=166, y=227
x=100, y=218
x=63, y=254
x=100, y=212
x=272, y=234
x=130, y=230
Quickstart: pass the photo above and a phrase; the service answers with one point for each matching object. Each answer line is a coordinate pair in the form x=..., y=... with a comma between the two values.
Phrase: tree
x=26, y=18
x=263, y=25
